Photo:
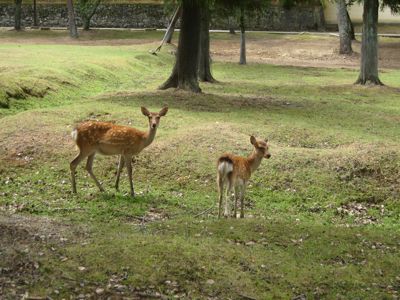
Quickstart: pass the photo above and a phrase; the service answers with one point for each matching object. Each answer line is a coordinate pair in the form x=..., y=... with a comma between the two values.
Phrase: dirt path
x=313, y=52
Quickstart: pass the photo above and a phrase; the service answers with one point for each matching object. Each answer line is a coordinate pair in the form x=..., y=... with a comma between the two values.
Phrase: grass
x=323, y=211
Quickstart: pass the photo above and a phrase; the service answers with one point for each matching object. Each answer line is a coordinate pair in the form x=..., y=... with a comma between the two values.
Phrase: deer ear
x=145, y=111
x=163, y=111
x=253, y=140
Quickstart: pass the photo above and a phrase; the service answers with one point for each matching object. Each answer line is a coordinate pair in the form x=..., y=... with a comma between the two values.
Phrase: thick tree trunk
x=369, y=45
x=352, y=34
x=344, y=28
x=242, y=60
x=184, y=73
x=204, y=49
x=18, y=13
x=35, y=18
x=73, y=31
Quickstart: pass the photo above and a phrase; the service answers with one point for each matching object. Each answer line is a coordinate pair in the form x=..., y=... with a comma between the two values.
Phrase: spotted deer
x=233, y=172
x=109, y=139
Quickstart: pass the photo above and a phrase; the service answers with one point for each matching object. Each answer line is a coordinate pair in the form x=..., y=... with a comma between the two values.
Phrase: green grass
x=334, y=146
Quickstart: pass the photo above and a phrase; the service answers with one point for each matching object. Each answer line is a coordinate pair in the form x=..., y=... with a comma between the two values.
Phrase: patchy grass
x=323, y=212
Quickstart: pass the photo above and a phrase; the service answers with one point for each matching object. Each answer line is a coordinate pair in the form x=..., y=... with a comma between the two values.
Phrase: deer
x=106, y=138
x=233, y=172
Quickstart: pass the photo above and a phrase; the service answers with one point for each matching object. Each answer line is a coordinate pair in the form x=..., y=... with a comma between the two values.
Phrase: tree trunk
x=344, y=28
x=87, y=10
x=204, y=49
x=73, y=31
x=242, y=60
x=35, y=18
x=171, y=27
x=86, y=23
x=184, y=73
x=352, y=34
x=231, y=26
x=18, y=13
x=369, y=45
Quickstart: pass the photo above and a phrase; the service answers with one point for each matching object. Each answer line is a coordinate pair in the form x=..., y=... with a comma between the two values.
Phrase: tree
x=204, y=68
x=184, y=73
x=243, y=8
x=73, y=31
x=344, y=28
x=369, y=44
x=87, y=9
x=17, y=15
x=35, y=18
x=242, y=59
x=352, y=34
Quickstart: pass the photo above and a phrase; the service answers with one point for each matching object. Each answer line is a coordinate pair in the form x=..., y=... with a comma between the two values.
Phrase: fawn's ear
x=253, y=140
x=163, y=111
x=145, y=111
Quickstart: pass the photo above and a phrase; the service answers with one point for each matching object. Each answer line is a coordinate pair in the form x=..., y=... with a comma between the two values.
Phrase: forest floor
x=322, y=215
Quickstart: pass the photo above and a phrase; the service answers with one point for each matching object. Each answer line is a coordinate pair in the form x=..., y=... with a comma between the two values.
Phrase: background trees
x=242, y=9
x=87, y=9
x=369, y=47
x=17, y=16
x=346, y=33
x=73, y=31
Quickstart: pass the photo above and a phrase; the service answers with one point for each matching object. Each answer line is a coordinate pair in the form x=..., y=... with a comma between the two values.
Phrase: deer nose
x=153, y=125
x=268, y=155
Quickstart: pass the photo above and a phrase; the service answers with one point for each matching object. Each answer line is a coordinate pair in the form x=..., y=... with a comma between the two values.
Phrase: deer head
x=154, y=118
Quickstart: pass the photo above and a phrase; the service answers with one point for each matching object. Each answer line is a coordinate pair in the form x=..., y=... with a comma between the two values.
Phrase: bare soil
x=304, y=50
x=309, y=52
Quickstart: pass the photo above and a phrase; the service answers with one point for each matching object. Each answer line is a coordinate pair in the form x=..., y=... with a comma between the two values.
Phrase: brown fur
x=242, y=168
x=109, y=139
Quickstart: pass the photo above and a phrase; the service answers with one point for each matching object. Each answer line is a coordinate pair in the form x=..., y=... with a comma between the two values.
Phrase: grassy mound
x=322, y=213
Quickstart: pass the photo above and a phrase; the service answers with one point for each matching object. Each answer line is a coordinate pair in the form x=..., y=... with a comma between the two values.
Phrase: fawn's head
x=261, y=147
x=154, y=118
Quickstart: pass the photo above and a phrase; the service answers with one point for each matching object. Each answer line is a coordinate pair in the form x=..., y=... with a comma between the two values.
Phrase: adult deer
x=109, y=139
x=233, y=172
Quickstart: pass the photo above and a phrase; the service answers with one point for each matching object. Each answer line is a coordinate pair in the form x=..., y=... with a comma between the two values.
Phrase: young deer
x=109, y=139
x=234, y=172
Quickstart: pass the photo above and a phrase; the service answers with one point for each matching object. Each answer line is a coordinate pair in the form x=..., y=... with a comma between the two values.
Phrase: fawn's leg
x=89, y=168
x=228, y=198
x=220, y=184
x=121, y=164
x=128, y=161
x=242, y=200
x=74, y=163
x=237, y=196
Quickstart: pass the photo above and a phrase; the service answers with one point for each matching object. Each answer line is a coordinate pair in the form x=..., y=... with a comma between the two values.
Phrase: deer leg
x=74, y=163
x=121, y=164
x=228, y=198
x=128, y=161
x=220, y=183
x=237, y=195
x=89, y=168
x=242, y=200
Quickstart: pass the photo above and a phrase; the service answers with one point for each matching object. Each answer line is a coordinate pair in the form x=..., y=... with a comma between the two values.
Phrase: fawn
x=234, y=172
x=110, y=139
